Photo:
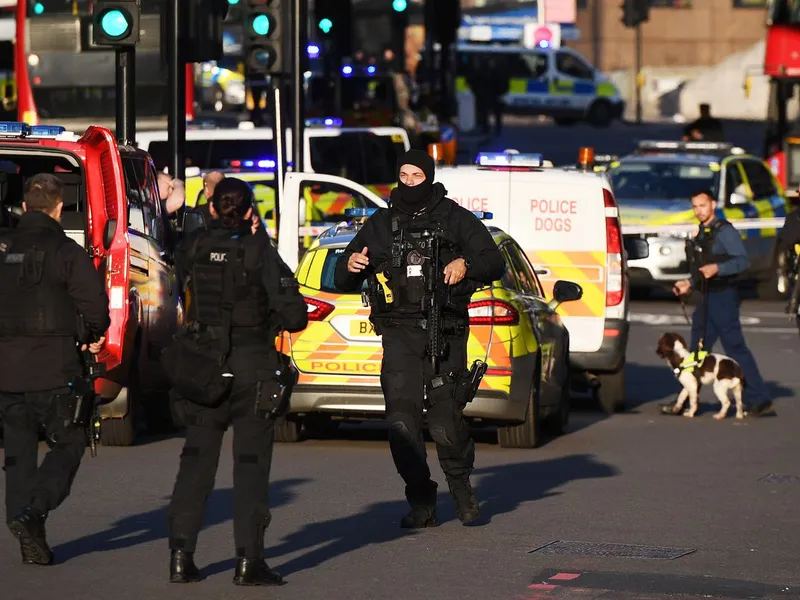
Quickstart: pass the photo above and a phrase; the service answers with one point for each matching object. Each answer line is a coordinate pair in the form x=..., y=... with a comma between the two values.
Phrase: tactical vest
x=33, y=302
x=699, y=254
x=205, y=297
x=399, y=286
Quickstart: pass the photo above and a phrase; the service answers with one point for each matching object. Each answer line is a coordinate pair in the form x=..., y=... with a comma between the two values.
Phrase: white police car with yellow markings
x=654, y=186
x=554, y=82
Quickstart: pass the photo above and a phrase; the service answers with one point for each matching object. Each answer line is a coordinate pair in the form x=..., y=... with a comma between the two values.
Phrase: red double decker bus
x=782, y=66
x=60, y=74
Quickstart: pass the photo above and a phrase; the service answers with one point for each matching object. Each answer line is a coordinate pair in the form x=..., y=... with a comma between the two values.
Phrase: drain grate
x=607, y=549
x=777, y=478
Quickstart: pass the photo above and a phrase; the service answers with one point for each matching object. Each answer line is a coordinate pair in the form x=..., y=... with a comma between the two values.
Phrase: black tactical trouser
x=253, y=440
x=405, y=373
x=44, y=487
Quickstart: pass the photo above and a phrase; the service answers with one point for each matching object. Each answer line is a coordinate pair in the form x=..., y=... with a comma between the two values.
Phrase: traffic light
x=399, y=5
x=202, y=38
x=263, y=36
x=635, y=12
x=116, y=22
x=333, y=20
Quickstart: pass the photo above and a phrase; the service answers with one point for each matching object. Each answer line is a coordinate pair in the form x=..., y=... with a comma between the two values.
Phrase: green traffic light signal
x=326, y=25
x=261, y=25
x=38, y=8
x=115, y=24
x=399, y=5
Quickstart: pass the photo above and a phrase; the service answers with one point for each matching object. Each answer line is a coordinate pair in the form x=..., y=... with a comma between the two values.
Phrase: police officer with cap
x=716, y=256
x=386, y=249
x=228, y=258
x=48, y=287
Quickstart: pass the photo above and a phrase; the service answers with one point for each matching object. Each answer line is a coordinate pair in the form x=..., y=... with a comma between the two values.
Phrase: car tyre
x=320, y=426
x=527, y=434
x=600, y=114
x=122, y=432
x=611, y=393
x=287, y=430
x=558, y=423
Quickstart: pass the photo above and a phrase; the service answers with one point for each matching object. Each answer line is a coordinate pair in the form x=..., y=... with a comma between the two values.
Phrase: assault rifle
x=794, y=298
x=83, y=404
x=436, y=297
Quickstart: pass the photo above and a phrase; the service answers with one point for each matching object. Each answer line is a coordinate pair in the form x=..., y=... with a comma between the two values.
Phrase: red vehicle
x=112, y=208
x=60, y=74
x=782, y=66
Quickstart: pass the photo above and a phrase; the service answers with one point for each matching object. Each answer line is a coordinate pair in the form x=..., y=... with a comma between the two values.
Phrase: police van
x=553, y=82
x=365, y=155
x=567, y=223
x=111, y=208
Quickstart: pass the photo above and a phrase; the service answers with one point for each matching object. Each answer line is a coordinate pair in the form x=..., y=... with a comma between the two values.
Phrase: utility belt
x=465, y=384
x=453, y=326
x=217, y=331
x=717, y=284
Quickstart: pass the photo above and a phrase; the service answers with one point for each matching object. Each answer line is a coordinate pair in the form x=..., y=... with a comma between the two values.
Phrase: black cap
x=420, y=159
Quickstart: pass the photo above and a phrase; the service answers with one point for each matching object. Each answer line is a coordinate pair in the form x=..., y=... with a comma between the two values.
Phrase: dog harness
x=691, y=362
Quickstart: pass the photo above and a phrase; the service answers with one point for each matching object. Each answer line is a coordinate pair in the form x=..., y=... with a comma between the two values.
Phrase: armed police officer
x=716, y=256
x=53, y=306
x=240, y=295
x=413, y=292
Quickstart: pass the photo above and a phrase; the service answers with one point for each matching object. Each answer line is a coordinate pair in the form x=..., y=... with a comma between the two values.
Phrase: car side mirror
x=738, y=199
x=636, y=248
x=108, y=233
x=193, y=221
x=565, y=291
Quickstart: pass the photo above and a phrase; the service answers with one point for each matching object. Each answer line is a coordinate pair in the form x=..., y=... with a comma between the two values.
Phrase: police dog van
x=567, y=222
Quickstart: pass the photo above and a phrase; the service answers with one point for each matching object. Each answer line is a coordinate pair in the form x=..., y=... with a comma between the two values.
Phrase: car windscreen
x=213, y=154
x=363, y=157
x=662, y=180
x=17, y=167
x=328, y=271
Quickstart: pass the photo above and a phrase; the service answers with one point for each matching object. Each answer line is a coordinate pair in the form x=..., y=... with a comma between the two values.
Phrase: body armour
x=205, y=297
x=398, y=287
x=33, y=301
x=699, y=253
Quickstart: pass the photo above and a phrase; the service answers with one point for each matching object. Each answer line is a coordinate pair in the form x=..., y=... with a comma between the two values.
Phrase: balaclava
x=413, y=198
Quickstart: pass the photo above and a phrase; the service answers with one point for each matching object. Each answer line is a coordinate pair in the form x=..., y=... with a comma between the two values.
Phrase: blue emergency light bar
x=20, y=129
x=262, y=163
x=483, y=215
x=324, y=122
x=505, y=159
x=354, y=213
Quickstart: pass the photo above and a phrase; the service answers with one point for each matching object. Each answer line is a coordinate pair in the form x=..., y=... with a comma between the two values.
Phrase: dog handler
x=717, y=256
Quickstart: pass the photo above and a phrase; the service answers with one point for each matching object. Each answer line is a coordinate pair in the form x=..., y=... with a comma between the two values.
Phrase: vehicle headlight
x=235, y=92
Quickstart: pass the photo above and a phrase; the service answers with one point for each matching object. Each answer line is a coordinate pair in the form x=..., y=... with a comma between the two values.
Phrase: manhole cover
x=606, y=549
x=776, y=478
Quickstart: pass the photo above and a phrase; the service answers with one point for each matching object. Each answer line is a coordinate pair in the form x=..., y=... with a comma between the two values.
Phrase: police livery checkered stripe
x=767, y=226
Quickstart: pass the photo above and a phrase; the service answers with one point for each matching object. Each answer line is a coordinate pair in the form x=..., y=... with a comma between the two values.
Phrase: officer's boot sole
x=408, y=523
x=33, y=551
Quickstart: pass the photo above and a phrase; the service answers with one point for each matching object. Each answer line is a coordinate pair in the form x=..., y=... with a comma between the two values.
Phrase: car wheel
x=122, y=432
x=320, y=426
x=600, y=114
x=527, y=434
x=611, y=393
x=557, y=423
x=565, y=121
x=287, y=430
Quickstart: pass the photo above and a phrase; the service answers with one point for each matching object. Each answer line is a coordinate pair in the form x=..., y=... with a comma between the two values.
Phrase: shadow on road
x=152, y=525
x=501, y=489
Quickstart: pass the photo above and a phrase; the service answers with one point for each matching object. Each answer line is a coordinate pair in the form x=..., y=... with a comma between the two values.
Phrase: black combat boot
x=467, y=507
x=28, y=527
x=423, y=506
x=256, y=571
x=182, y=568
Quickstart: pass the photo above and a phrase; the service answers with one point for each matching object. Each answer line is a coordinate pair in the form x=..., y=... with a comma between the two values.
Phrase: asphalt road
x=713, y=503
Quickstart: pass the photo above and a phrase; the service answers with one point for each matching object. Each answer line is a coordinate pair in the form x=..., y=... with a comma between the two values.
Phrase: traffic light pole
x=638, y=73
x=176, y=74
x=126, y=94
x=299, y=10
x=280, y=139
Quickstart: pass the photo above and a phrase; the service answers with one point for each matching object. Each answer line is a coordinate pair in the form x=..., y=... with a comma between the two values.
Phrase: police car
x=654, y=187
x=566, y=223
x=554, y=82
x=111, y=208
x=513, y=328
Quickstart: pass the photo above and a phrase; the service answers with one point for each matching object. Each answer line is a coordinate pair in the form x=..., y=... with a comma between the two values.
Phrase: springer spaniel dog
x=694, y=372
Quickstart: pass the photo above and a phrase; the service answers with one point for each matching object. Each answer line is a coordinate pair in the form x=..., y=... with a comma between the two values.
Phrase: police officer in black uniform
x=386, y=248
x=48, y=286
x=267, y=300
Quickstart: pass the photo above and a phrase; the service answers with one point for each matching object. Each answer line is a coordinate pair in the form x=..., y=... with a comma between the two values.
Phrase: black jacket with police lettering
x=286, y=309
x=31, y=363
x=460, y=225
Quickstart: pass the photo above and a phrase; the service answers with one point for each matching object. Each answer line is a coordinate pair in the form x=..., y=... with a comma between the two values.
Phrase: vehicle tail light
x=615, y=277
x=492, y=312
x=317, y=309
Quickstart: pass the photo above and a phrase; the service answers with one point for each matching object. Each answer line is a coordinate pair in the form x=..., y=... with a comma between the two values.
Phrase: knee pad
x=400, y=426
x=439, y=435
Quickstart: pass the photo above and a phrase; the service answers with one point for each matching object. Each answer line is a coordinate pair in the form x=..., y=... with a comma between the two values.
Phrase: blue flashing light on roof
x=347, y=70
x=504, y=159
x=483, y=215
x=371, y=69
x=354, y=213
x=262, y=163
x=21, y=129
x=326, y=122
x=313, y=51
x=15, y=128
x=47, y=130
